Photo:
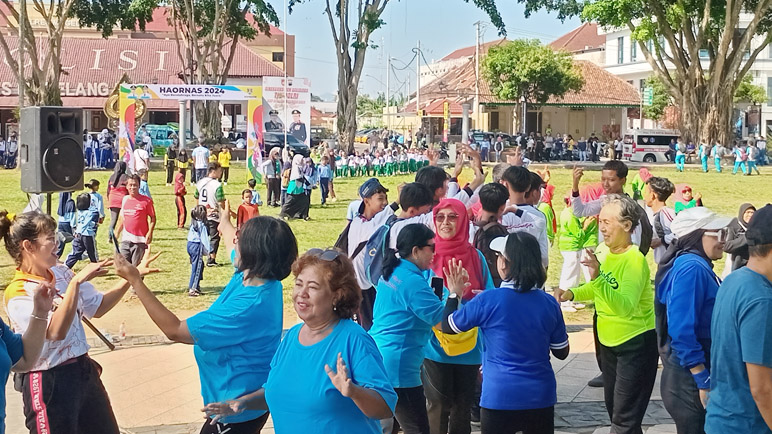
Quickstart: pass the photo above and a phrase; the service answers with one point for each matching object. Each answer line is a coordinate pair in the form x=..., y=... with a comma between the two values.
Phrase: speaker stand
x=48, y=203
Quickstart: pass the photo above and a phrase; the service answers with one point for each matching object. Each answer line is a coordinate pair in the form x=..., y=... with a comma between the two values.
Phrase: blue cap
x=370, y=187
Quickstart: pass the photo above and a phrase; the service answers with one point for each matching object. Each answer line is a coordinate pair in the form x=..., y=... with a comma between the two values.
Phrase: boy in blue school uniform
x=85, y=230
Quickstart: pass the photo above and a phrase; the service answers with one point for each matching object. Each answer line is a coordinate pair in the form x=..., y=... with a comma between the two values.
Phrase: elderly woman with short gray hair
x=624, y=300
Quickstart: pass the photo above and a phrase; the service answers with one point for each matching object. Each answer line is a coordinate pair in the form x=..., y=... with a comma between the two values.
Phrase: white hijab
x=297, y=167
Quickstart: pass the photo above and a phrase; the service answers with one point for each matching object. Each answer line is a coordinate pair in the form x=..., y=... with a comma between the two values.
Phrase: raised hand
x=92, y=270
x=144, y=267
x=126, y=269
x=456, y=277
x=340, y=378
x=43, y=299
x=577, y=176
x=219, y=410
x=516, y=159
x=590, y=261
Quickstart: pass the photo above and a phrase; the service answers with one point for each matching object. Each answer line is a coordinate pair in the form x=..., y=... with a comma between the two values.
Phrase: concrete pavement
x=154, y=389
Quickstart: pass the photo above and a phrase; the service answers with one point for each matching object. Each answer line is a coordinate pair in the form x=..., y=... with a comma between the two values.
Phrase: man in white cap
x=686, y=289
x=741, y=351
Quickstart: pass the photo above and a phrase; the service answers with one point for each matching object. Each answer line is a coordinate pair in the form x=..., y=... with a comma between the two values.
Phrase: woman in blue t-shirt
x=236, y=338
x=327, y=375
x=519, y=391
x=405, y=310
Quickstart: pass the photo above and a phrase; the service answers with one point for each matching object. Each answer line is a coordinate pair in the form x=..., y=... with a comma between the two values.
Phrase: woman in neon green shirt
x=624, y=300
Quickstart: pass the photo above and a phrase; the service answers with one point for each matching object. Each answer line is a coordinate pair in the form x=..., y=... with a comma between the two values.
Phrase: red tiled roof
x=601, y=88
x=466, y=52
x=160, y=22
x=96, y=62
x=584, y=37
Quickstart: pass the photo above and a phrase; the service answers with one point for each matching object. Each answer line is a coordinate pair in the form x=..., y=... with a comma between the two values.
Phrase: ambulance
x=649, y=145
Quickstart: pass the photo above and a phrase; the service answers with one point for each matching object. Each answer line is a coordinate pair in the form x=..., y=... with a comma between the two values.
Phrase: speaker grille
x=63, y=163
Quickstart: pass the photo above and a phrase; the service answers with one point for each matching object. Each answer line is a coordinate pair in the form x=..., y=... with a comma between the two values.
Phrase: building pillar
x=182, y=123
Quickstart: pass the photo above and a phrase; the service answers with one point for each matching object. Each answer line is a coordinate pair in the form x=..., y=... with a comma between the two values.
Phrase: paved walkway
x=154, y=389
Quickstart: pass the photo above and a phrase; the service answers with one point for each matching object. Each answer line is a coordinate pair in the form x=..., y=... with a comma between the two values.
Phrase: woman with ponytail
x=62, y=391
x=405, y=311
x=20, y=352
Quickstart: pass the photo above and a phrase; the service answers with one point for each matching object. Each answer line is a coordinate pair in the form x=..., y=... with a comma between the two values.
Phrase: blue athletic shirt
x=235, y=340
x=742, y=322
x=11, y=350
x=434, y=350
x=518, y=329
x=302, y=397
x=405, y=311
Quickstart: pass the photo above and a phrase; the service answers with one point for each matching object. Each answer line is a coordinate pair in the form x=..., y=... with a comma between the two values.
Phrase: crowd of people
x=746, y=156
x=9, y=151
x=407, y=322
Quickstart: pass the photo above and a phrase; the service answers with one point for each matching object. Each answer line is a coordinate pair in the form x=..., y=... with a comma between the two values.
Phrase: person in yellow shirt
x=183, y=161
x=224, y=158
x=624, y=300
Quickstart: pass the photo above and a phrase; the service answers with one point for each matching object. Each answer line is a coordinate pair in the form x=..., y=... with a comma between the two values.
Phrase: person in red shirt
x=179, y=198
x=247, y=209
x=137, y=233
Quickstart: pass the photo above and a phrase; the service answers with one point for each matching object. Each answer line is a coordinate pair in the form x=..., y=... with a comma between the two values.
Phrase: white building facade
x=625, y=60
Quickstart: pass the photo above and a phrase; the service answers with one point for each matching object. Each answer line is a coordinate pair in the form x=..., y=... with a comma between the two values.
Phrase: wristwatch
x=453, y=295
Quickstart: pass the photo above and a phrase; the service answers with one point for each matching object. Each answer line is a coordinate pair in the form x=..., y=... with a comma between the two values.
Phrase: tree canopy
x=700, y=49
x=749, y=92
x=528, y=69
x=660, y=99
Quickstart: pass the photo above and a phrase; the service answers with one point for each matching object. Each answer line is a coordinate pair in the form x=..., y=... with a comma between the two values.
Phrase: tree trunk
x=717, y=125
x=209, y=119
x=347, y=109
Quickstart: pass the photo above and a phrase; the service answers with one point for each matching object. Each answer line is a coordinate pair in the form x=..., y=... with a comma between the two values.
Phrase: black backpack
x=482, y=241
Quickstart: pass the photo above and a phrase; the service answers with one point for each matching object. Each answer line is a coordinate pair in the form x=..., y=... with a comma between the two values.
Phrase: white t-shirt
x=531, y=221
x=200, y=157
x=360, y=231
x=141, y=159
x=353, y=209
x=13, y=146
x=207, y=196
x=74, y=344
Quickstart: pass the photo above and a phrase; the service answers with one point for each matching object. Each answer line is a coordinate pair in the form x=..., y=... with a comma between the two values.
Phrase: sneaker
x=597, y=381
x=194, y=293
x=566, y=306
x=211, y=263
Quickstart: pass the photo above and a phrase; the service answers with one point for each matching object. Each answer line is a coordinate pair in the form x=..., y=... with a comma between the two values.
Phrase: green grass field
x=721, y=192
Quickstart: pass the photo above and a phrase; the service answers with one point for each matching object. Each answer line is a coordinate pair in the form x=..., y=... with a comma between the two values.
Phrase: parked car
x=272, y=140
x=162, y=137
x=319, y=135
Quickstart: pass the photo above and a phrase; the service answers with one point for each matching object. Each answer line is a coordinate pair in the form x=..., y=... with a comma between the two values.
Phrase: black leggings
x=225, y=173
x=113, y=220
x=536, y=421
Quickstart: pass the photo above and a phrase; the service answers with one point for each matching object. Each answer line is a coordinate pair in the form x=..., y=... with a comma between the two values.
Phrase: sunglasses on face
x=430, y=246
x=440, y=218
x=328, y=255
x=720, y=235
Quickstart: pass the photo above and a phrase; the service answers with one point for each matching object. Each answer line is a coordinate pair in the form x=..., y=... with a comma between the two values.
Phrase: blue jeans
x=66, y=228
x=324, y=184
x=80, y=244
x=680, y=160
x=10, y=160
x=582, y=155
x=738, y=164
x=196, y=254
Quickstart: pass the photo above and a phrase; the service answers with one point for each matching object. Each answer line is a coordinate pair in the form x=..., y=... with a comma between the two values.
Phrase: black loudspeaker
x=51, y=149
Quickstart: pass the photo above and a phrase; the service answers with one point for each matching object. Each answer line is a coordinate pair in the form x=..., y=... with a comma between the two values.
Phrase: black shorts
x=249, y=427
x=68, y=399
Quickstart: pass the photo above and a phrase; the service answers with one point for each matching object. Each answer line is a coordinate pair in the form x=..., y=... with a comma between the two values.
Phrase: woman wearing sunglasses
x=238, y=335
x=405, y=311
x=450, y=381
x=686, y=288
x=327, y=375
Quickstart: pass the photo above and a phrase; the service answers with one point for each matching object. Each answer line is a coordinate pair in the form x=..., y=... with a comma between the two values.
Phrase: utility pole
x=477, y=77
x=388, y=102
x=418, y=84
x=20, y=78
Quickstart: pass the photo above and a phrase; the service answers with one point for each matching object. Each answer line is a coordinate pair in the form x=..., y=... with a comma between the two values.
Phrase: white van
x=648, y=146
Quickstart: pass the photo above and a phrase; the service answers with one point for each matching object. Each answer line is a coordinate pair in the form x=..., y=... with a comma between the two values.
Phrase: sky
x=441, y=25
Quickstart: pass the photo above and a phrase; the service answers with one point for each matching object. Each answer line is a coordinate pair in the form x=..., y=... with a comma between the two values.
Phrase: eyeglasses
x=451, y=218
x=721, y=235
x=328, y=255
x=431, y=246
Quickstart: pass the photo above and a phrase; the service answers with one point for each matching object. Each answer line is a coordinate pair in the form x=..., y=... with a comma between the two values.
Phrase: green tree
x=749, y=92
x=207, y=34
x=660, y=99
x=352, y=23
x=700, y=49
x=43, y=48
x=529, y=70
